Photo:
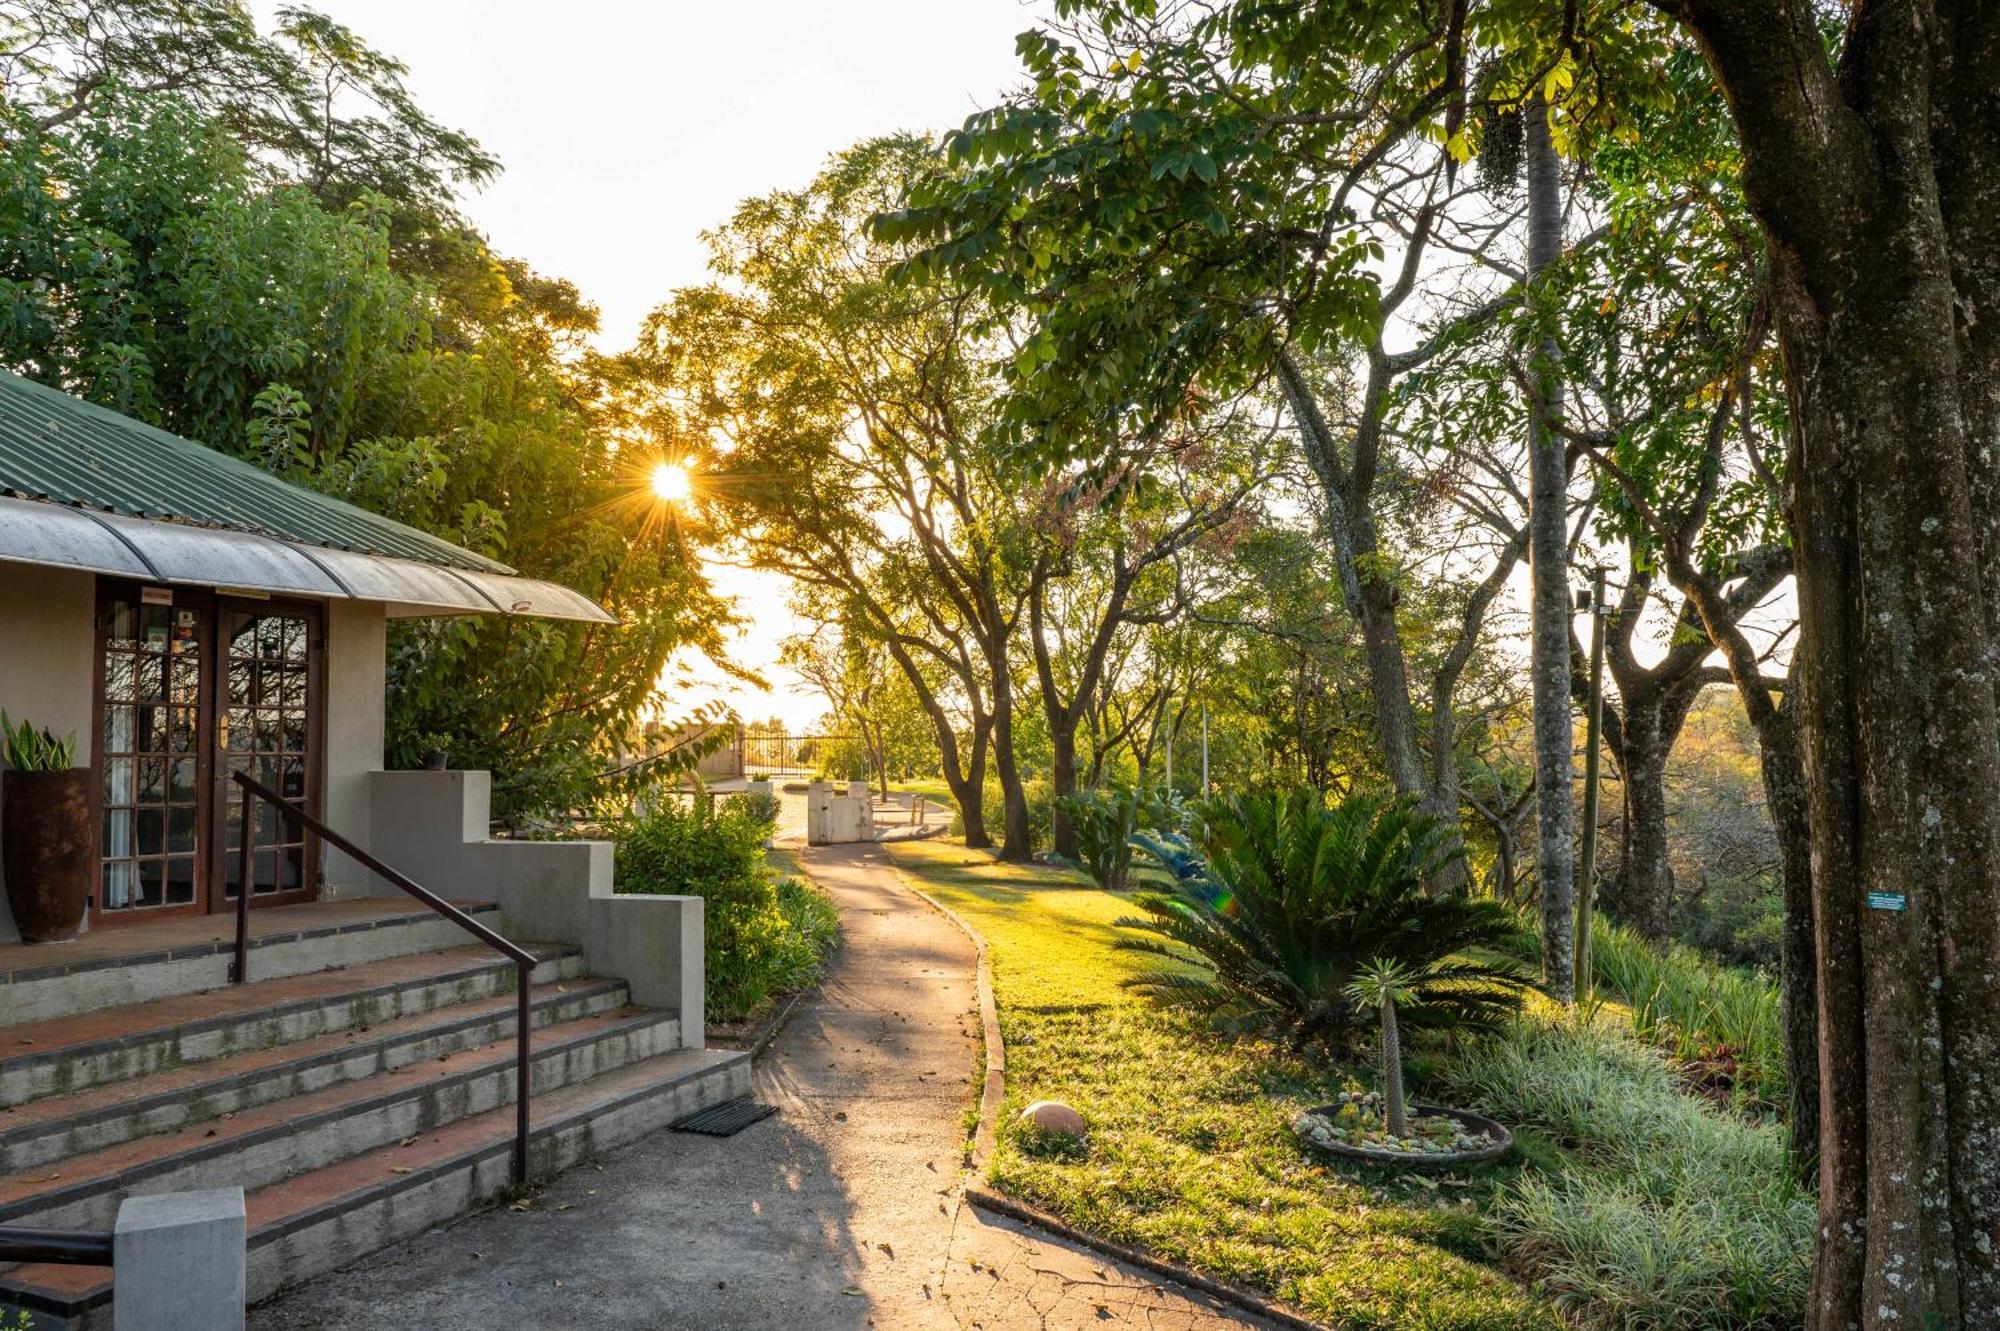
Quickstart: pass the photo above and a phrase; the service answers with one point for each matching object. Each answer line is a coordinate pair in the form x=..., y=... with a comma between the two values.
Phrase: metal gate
x=791, y=755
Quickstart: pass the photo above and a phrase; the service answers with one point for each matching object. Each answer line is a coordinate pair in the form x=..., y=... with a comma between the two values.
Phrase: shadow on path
x=842, y=1211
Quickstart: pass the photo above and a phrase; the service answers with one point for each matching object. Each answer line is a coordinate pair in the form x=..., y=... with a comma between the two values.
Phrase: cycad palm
x=1298, y=897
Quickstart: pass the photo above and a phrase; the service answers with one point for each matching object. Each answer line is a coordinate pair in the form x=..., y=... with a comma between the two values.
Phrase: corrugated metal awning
x=147, y=550
x=58, y=447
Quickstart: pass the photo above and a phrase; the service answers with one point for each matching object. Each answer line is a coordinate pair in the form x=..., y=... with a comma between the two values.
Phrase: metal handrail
x=524, y=960
x=72, y=1247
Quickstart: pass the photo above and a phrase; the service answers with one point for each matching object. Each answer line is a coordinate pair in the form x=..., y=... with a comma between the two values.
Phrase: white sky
x=626, y=128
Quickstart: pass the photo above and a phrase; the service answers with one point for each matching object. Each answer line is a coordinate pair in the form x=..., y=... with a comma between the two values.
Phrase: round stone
x=1053, y=1116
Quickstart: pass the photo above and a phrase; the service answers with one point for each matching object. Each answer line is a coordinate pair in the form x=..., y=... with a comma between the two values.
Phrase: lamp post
x=1586, y=886
x=1204, y=750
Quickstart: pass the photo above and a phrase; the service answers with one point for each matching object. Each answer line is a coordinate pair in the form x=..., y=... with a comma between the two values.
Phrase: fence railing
x=524, y=960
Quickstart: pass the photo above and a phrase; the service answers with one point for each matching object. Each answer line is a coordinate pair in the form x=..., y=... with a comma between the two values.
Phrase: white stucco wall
x=46, y=642
x=356, y=688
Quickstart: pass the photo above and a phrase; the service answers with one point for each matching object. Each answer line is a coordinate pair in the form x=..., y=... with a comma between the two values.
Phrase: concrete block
x=178, y=1262
x=655, y=944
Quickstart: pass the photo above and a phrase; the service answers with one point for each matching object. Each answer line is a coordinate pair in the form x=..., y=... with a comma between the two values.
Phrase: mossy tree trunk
x=1548, y=561
x=1877, y=183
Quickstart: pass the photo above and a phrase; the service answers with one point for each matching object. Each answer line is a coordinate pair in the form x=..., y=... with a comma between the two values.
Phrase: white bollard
x=178, y=1262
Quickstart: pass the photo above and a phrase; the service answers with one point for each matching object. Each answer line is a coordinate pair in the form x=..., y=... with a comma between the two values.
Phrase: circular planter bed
x=1439, y=1137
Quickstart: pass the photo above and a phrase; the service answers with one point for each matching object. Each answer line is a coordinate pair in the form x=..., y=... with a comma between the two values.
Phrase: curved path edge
x=993, y=1095
x=994, y=1090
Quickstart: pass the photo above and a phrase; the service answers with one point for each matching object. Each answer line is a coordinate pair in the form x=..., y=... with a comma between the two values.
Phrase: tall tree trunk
x=1548, y=556
x=1641, y=894
x=1653, y=710
x=1062, y=781
x=1785, y=798
x=1903, y=798
x=1016, y=837
x=968, y=789
x=1878, y=188
x=1370, y=599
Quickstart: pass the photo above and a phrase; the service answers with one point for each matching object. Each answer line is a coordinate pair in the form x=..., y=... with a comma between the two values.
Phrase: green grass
x=1191, y=1154
x=1703, y=1013
x=932, y=786
x=1667, y=1214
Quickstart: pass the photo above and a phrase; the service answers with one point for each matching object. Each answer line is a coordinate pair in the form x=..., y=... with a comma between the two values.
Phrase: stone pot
x=45, y=851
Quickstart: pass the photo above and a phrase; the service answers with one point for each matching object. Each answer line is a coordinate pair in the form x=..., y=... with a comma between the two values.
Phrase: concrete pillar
x=178, y=1262
x=819, y=813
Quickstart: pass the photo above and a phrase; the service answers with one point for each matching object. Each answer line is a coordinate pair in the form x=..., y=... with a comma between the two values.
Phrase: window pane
x=152, y=882
x=117, y=676
x=149, y=679
x=180, y=730
x=180, y=880
x=186, y=684
x=151, y=825
x=117, y=833
x=152, y=737
x=118, y=729
x=242, y=681
x=118, y=780
x=180, y=831
x=242, y=732
x=117, y=884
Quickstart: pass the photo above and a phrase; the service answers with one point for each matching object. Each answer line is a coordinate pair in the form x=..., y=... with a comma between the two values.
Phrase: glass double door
x=191, y=688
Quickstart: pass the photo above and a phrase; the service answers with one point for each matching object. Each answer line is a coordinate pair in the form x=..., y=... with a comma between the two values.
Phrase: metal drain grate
x=726, y=1119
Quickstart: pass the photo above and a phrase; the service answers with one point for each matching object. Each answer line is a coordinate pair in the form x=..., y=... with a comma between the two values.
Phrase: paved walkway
x=842, y=1211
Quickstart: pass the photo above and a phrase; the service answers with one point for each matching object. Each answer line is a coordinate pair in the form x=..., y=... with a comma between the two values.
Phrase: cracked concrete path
x=842, y=1211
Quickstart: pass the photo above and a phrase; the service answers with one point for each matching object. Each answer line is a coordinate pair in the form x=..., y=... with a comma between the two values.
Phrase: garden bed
x=1190, y=1153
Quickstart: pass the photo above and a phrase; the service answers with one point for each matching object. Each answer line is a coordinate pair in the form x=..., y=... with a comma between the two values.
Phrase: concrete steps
x=56, y=1128
x=104, y=970
x=325, y=1218
x=355, y=1107
x=64, y=1055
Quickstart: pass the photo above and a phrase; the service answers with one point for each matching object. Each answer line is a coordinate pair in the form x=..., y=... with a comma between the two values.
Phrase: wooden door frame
x=109, y=590
x=313, y=853
x=211, y=891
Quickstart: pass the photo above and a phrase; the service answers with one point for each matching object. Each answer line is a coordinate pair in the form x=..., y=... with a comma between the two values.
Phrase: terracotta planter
x=45, y=851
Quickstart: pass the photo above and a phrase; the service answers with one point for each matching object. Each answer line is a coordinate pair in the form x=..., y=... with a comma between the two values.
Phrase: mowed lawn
x=1191, y=1153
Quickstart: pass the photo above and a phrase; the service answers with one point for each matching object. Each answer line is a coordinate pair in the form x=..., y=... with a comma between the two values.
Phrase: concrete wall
x=834, y=819
x=46, y=640
x=356, y=688
x=433, y=827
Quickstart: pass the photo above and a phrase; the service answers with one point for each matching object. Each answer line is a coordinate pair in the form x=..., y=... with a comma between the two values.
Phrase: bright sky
x=628, y=126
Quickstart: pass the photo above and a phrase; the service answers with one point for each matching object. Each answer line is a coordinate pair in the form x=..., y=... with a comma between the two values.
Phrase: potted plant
x=1380, y=1128
x=45, y=832
x=434, y=750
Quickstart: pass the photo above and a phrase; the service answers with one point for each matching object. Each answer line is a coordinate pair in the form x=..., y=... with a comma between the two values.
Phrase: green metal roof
x=57, y=447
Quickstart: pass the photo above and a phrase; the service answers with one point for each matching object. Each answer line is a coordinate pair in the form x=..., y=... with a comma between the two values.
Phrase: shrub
x=1107, y=821
x=1739, y=918
x=753, y=948
x=993, y=805
x=1104, y=821
x=759, y=803
x=1672, y=1217
x=1298, y=897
